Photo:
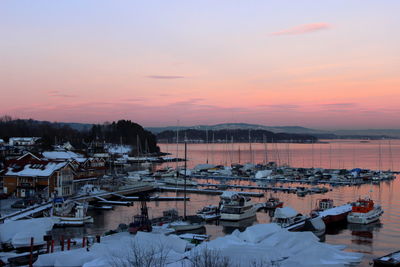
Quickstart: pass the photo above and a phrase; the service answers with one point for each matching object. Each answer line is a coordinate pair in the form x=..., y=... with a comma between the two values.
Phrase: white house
x=23, y=141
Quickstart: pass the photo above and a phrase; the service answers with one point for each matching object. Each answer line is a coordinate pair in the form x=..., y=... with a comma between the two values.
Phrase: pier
x=206, y=191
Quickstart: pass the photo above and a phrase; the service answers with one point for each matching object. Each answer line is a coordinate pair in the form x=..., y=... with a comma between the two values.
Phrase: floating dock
x=206, y=191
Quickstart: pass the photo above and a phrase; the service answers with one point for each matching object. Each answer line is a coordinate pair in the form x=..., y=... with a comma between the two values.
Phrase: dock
x=37, y=210
x=300, y=181
x=206, y=191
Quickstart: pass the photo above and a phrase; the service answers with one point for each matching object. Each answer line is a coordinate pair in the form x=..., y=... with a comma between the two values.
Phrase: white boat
x=289, y=219
x=235, y=207
x=70, y=213
x=208, y=213
x=191, y=223
x=89, y=189
x=179, y=181
x=364, y=211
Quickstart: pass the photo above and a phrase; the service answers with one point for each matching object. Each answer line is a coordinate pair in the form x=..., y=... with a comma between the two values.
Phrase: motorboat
x=70, y=213
x=208, y=213
x=189, y=223
x=329, y=213
x=289, y=219
x=364, y=211
x=235, y=207
x=179, y=181
x=391, y=259
x=273, y=203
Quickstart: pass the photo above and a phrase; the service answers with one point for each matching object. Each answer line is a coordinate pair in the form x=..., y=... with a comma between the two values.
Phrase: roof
x=63, y=155
x=27, y=139
x=40, y=169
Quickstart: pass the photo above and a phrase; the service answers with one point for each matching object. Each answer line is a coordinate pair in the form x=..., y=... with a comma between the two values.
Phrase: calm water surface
x=372, y=240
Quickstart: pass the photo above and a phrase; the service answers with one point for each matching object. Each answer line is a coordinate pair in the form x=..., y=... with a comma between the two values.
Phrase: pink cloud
x=305, y=28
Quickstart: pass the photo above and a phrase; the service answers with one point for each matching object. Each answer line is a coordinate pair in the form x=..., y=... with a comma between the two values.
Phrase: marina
x=161, y=197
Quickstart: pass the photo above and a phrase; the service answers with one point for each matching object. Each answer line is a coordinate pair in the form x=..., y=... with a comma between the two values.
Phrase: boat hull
x=241, y=216
x=364, y=218
x=72, y=221
x=333, y=219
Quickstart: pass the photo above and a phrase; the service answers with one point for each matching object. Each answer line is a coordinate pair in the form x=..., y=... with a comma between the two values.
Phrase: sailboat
x=188, y=223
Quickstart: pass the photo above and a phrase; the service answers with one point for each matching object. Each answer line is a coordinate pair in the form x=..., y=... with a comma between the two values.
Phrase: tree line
x=123, y=132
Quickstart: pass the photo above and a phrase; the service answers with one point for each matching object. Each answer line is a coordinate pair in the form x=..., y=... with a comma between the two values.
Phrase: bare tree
x=208, y=258
x=138, y=256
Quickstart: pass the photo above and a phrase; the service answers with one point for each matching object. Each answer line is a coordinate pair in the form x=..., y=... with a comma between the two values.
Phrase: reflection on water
x=374, y=240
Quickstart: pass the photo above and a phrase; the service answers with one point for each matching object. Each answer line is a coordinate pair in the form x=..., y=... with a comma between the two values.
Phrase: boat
x=208, y=213
x=301, y=191
x=329, y=213
x=364, y=211
x=315, y=225
x=235, y=207
x=70, y=213
x=195, y=239
x=289, y=219
x=179, y=182
x=140, y=223
x=190, y=223
x=391, y=259
x=273, y=203
x=101, y=207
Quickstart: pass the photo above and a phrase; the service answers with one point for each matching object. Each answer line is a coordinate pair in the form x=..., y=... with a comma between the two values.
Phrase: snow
x=263, y=174
x=18, y=233
x=263, y=244
x=285, y=212
x=203, y=167
x=46, y=171
x=119, y=149
x=336, y=210
x=62, y=155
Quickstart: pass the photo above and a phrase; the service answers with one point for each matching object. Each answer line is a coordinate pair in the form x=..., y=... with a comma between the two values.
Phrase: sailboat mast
x=207, y=146
x=184, y=186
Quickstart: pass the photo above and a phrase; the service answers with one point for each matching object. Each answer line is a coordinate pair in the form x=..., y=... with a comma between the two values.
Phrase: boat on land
x=364, y=211
x=391, y=259
x=289, y=219
x=329, y=213
x=70, y=213
x=235, y=207
x=209, y=213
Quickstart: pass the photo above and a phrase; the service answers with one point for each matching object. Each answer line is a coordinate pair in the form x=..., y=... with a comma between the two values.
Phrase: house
x=86, y=170
x=30, y=175
x=23, y=141
x=89, y=171
x=2, y=143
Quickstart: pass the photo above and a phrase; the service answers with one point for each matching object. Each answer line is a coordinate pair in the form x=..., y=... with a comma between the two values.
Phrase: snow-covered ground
x=260, y=245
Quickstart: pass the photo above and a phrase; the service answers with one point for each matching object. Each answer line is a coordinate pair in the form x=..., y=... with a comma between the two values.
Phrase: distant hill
x=395, y=133
x=321, y=134
x=238, y=126
x=232, y=135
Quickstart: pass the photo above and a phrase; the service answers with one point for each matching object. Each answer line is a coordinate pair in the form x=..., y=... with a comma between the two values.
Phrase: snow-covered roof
x=61, y=155
x=119, y=149
x=285, y=212
x=25, y=139
x=43, y=169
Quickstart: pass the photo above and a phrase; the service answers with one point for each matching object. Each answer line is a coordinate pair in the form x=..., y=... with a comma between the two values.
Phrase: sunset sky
x=331, y=64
